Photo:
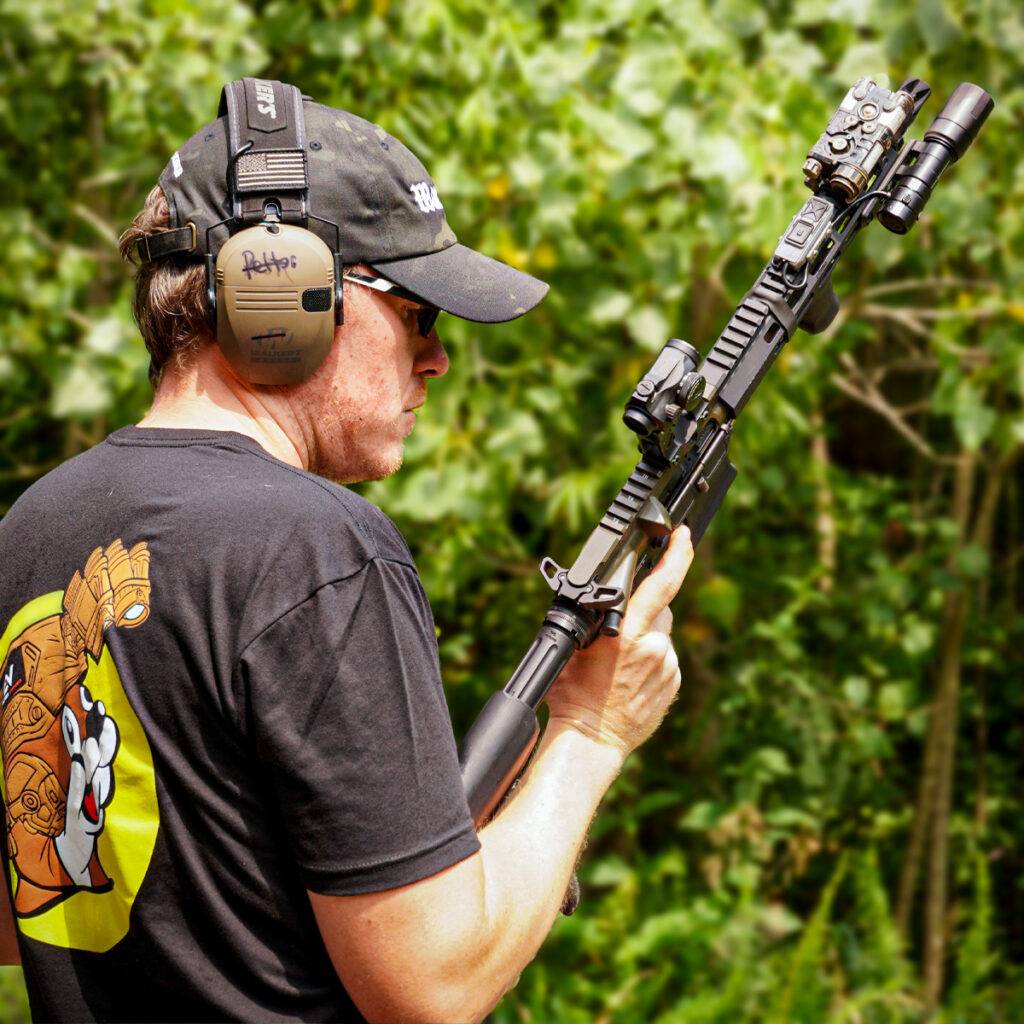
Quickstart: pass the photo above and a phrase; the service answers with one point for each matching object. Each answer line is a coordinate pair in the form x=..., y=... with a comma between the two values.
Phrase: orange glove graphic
x=59, y=744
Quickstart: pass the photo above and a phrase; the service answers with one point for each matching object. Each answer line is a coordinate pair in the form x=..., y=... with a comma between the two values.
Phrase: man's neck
x=203, y=397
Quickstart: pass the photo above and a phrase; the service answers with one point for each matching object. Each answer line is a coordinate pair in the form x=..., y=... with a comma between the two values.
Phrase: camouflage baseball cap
x=367, y=196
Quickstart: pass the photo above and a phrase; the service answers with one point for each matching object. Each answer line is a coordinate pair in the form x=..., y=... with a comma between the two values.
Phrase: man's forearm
x=449, y=946
x=530, y=849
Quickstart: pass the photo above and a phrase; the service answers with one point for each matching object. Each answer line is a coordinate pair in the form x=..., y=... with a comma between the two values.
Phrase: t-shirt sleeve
x=346, y=712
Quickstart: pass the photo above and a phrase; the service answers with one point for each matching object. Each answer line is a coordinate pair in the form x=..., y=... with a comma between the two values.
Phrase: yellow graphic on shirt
x=79, y=844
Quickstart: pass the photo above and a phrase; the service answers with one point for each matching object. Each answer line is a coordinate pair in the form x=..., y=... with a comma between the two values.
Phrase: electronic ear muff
x=274, y=289
x=274, y=302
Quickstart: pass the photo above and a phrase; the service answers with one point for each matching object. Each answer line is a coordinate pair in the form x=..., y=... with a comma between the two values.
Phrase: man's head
x=275, y=155
x=354, y=411
x=366, y=197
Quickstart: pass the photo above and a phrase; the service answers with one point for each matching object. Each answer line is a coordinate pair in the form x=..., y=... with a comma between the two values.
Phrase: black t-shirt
x=220, y=689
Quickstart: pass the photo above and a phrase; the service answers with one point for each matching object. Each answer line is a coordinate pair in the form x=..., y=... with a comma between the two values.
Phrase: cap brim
x=468, y=284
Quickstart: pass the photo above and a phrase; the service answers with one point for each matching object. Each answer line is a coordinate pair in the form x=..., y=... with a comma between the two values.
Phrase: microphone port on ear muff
x=316, y=300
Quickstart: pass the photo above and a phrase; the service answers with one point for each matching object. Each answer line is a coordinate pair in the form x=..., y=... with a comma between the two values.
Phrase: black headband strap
x=267, y=117
x=166, y=243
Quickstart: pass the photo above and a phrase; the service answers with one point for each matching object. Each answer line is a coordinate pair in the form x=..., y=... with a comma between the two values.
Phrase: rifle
x=683, y=409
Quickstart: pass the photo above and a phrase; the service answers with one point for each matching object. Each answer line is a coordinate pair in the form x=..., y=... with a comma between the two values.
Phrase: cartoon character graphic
x=59, y=744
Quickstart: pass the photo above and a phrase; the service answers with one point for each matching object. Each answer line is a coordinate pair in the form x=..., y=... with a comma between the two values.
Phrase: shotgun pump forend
x=683, y=408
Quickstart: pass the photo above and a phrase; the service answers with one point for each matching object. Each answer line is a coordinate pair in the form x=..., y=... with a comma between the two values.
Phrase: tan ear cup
x=275, y=303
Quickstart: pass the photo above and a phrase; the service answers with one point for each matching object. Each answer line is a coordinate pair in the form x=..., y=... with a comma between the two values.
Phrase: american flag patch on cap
x=271, y=169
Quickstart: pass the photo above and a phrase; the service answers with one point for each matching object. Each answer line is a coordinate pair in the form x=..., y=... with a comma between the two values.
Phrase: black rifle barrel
x=500, y=740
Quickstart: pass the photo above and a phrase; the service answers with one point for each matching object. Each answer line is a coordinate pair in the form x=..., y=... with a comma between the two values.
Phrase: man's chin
x=371, y=466
x=380, y=472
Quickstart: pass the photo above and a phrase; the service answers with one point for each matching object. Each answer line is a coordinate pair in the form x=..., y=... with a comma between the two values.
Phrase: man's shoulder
x=285, y=497
x=213, y=482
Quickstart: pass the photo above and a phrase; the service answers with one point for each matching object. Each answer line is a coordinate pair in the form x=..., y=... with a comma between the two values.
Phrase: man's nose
x=432, y=360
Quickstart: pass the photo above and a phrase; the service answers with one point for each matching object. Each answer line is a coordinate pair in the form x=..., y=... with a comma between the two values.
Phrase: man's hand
x=618, y=690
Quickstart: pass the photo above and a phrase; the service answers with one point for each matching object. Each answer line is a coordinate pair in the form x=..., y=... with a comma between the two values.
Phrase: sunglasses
x=426, y=315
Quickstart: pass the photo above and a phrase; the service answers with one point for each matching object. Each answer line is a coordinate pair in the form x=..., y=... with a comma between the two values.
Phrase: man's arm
x=447, y=948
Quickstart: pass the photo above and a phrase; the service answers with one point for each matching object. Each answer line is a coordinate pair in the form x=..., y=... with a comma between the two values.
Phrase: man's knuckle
x=656, y=645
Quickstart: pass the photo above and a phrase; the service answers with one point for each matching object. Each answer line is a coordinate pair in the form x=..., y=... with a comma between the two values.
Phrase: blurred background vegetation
x=829, y=826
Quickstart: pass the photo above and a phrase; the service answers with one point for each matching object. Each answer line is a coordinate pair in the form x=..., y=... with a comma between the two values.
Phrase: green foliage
x=806, y=990
x=971, y=999
x=643, y=157
x=878, y=958
x=13, y=998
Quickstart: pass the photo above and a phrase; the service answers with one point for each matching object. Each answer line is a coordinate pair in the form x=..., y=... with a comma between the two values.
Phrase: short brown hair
x=170, y=293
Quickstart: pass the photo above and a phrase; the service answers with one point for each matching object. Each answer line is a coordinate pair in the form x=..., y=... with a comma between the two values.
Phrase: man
x=232, y=787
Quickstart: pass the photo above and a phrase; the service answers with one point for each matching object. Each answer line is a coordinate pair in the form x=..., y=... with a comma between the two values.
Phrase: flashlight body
x=946, y=140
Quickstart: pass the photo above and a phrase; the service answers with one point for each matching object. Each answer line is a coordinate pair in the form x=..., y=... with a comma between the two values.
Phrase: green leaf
x=718, y=156
x=621, y=134
x=972, y=419
x=82, y=390
x=106, y=336
x=938, y=30
x=972, y=561
x=701, y=816
x=656, y=933
x=656, y=801
x=892, y=701
x=856, y=689
x=609, y=306
x=917, y=636
x=779, y=921
x=610, y=871
x=773, y=761
x=790, y=818
x=719, y=598
x=649, y=327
